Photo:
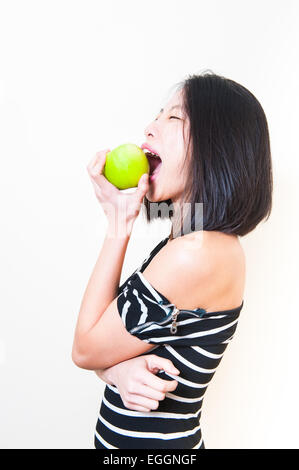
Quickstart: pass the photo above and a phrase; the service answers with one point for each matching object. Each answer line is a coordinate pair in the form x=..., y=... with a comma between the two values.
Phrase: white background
x=80, y=76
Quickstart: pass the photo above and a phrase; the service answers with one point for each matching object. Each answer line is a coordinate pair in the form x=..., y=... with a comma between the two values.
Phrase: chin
x=156, y=198
x=152, y=195
x=155, y=195
x=151, y=198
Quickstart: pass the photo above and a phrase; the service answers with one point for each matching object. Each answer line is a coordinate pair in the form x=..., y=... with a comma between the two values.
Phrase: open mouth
x=155, y=163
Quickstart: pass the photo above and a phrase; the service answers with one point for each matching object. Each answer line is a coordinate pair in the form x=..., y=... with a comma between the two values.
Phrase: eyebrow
x=172, y=107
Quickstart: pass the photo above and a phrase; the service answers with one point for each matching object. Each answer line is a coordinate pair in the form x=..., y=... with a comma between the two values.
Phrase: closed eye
x=171, y=117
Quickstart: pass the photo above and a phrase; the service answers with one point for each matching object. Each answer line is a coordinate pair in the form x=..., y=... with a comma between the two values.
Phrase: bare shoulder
x=201, y=269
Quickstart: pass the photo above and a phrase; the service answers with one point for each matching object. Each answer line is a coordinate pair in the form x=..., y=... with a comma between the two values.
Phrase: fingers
x=159, y=384
x=133, y=406
x=134, y=401
x=157, y=362
x=147, y=397
x=97, y=162
x=148, y=392
x=143, y=186
x=95, y=170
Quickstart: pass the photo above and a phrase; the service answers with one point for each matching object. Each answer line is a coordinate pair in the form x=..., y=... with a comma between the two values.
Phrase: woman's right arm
x=140, y=389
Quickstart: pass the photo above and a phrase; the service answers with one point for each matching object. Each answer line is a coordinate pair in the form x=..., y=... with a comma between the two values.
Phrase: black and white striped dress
x=195, y=345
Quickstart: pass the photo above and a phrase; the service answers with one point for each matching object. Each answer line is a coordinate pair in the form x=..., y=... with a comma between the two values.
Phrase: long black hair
x=228, y=157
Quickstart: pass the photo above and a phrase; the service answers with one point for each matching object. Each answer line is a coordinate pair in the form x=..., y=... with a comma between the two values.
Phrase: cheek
x=172, y=172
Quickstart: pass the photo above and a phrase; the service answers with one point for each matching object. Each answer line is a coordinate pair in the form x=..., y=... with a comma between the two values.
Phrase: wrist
x=120, y=228
x=108, y=375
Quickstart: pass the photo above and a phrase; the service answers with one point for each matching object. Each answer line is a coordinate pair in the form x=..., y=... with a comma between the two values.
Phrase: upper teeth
x=148, y=151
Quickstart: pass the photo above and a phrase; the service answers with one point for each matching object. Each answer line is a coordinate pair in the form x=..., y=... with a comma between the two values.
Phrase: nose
x=150, y=130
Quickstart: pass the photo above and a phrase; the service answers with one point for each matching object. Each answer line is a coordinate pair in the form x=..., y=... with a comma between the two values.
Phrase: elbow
x=83, y=360
x=79, y=358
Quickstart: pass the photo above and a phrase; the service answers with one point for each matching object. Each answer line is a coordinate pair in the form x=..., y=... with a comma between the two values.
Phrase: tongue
x=156, y=167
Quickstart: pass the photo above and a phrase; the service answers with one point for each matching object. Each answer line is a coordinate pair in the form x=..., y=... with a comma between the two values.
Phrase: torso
x=196, y=355
x=228, y=284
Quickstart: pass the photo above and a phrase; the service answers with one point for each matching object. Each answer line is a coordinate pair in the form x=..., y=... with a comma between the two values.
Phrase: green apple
x=125, y=165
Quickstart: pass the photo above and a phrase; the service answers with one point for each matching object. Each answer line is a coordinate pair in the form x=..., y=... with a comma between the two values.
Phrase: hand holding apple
x=121, y=209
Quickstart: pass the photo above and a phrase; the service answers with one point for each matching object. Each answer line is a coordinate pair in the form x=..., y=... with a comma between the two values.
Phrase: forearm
x=103, y=284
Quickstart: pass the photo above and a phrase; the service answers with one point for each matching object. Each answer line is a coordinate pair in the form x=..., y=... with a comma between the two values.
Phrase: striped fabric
x=195, y=348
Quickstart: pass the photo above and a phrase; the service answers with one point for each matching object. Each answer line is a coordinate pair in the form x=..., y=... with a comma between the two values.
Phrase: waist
x=120, y=427
x=180, y=411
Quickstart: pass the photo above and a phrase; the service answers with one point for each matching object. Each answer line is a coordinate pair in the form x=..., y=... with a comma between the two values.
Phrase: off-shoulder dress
x=194, y=340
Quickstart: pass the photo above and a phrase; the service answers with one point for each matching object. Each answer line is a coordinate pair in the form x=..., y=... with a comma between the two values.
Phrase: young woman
x=184, y=301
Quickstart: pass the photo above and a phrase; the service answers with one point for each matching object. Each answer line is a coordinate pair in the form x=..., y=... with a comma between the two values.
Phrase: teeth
x=153, y=154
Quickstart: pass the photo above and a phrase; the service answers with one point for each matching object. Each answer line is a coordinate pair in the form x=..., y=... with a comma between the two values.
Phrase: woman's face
x=166, y=135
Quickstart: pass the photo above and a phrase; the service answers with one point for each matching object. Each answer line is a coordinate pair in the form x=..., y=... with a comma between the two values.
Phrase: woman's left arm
x=121, y=211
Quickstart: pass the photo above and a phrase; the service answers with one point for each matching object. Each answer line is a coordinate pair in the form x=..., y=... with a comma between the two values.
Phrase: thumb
x=143, y=184
x=160, y=363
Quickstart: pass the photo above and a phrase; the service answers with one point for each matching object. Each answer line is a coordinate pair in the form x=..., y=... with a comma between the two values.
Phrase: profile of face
x=168, y=135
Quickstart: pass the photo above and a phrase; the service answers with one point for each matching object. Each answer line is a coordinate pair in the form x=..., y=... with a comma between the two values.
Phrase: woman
x=184, y=302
